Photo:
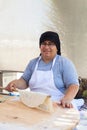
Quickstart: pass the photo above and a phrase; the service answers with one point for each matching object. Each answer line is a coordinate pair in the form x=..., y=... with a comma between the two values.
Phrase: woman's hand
x=11, y=87
x=65, y=103
x=16, y=84
x=69, y=96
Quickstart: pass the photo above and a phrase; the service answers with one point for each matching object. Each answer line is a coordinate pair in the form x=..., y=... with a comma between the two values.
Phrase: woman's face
x=48, y=50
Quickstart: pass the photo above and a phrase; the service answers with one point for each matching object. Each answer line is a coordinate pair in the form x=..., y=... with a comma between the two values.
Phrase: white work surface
x=14, y=115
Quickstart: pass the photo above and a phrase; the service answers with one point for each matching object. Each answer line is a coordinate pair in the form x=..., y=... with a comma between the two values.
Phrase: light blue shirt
x=64, y=72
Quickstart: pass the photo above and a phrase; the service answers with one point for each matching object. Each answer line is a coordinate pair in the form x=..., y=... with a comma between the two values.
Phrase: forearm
x=18, y=83
x=71, y=92
x=69, y=96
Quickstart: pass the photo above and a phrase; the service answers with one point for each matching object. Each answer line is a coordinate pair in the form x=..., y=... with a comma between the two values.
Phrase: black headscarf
x=52, y=36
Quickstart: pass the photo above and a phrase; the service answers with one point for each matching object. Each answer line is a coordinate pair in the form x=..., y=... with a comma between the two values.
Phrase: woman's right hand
x=11, y=87
x=16, y=84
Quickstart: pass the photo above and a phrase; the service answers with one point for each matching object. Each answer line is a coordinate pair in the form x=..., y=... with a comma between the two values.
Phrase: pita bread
x=36, y=100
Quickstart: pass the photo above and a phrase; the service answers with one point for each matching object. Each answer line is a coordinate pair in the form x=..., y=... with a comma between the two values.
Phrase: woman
x=50, y=73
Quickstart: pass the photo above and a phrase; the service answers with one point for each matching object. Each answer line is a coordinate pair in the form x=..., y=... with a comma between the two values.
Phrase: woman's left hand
x=65, y=103
x=69, y=96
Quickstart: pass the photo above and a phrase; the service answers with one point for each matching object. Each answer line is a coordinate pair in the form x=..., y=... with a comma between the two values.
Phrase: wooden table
x=15, y=115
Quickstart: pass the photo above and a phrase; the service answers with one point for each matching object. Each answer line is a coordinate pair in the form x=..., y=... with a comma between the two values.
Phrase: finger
x=71, y=106
x=68, y=105
x=12, y=87
x=63, y=104
x=59, y=102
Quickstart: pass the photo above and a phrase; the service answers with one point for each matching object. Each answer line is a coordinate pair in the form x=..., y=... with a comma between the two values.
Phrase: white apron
x=42, y=81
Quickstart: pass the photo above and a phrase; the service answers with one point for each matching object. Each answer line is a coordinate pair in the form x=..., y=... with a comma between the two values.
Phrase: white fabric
x=77, y=103
x=42, y=81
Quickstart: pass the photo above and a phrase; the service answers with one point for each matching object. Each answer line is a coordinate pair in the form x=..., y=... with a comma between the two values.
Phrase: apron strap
x=39, y=60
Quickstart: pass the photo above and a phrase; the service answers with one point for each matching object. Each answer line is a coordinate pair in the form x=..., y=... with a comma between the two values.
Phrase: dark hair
x=52, y=36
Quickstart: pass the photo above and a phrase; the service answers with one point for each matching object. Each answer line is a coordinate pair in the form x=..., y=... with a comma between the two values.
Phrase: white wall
x=22, y=22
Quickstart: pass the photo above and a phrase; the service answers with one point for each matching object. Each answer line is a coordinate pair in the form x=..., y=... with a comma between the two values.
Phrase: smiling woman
x=22, y=21
x=50, y=73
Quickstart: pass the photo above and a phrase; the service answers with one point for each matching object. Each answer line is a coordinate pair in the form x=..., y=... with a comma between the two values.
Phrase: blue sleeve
x=29, y=70
x=70, y=75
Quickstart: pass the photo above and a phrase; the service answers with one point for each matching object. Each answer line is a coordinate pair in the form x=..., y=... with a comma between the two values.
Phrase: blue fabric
x=64, y=71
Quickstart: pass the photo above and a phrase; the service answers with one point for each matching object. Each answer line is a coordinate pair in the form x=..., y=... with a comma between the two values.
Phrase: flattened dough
x=36, y=100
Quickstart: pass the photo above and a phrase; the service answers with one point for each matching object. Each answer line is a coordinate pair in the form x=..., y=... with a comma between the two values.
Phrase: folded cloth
x=77, y=103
